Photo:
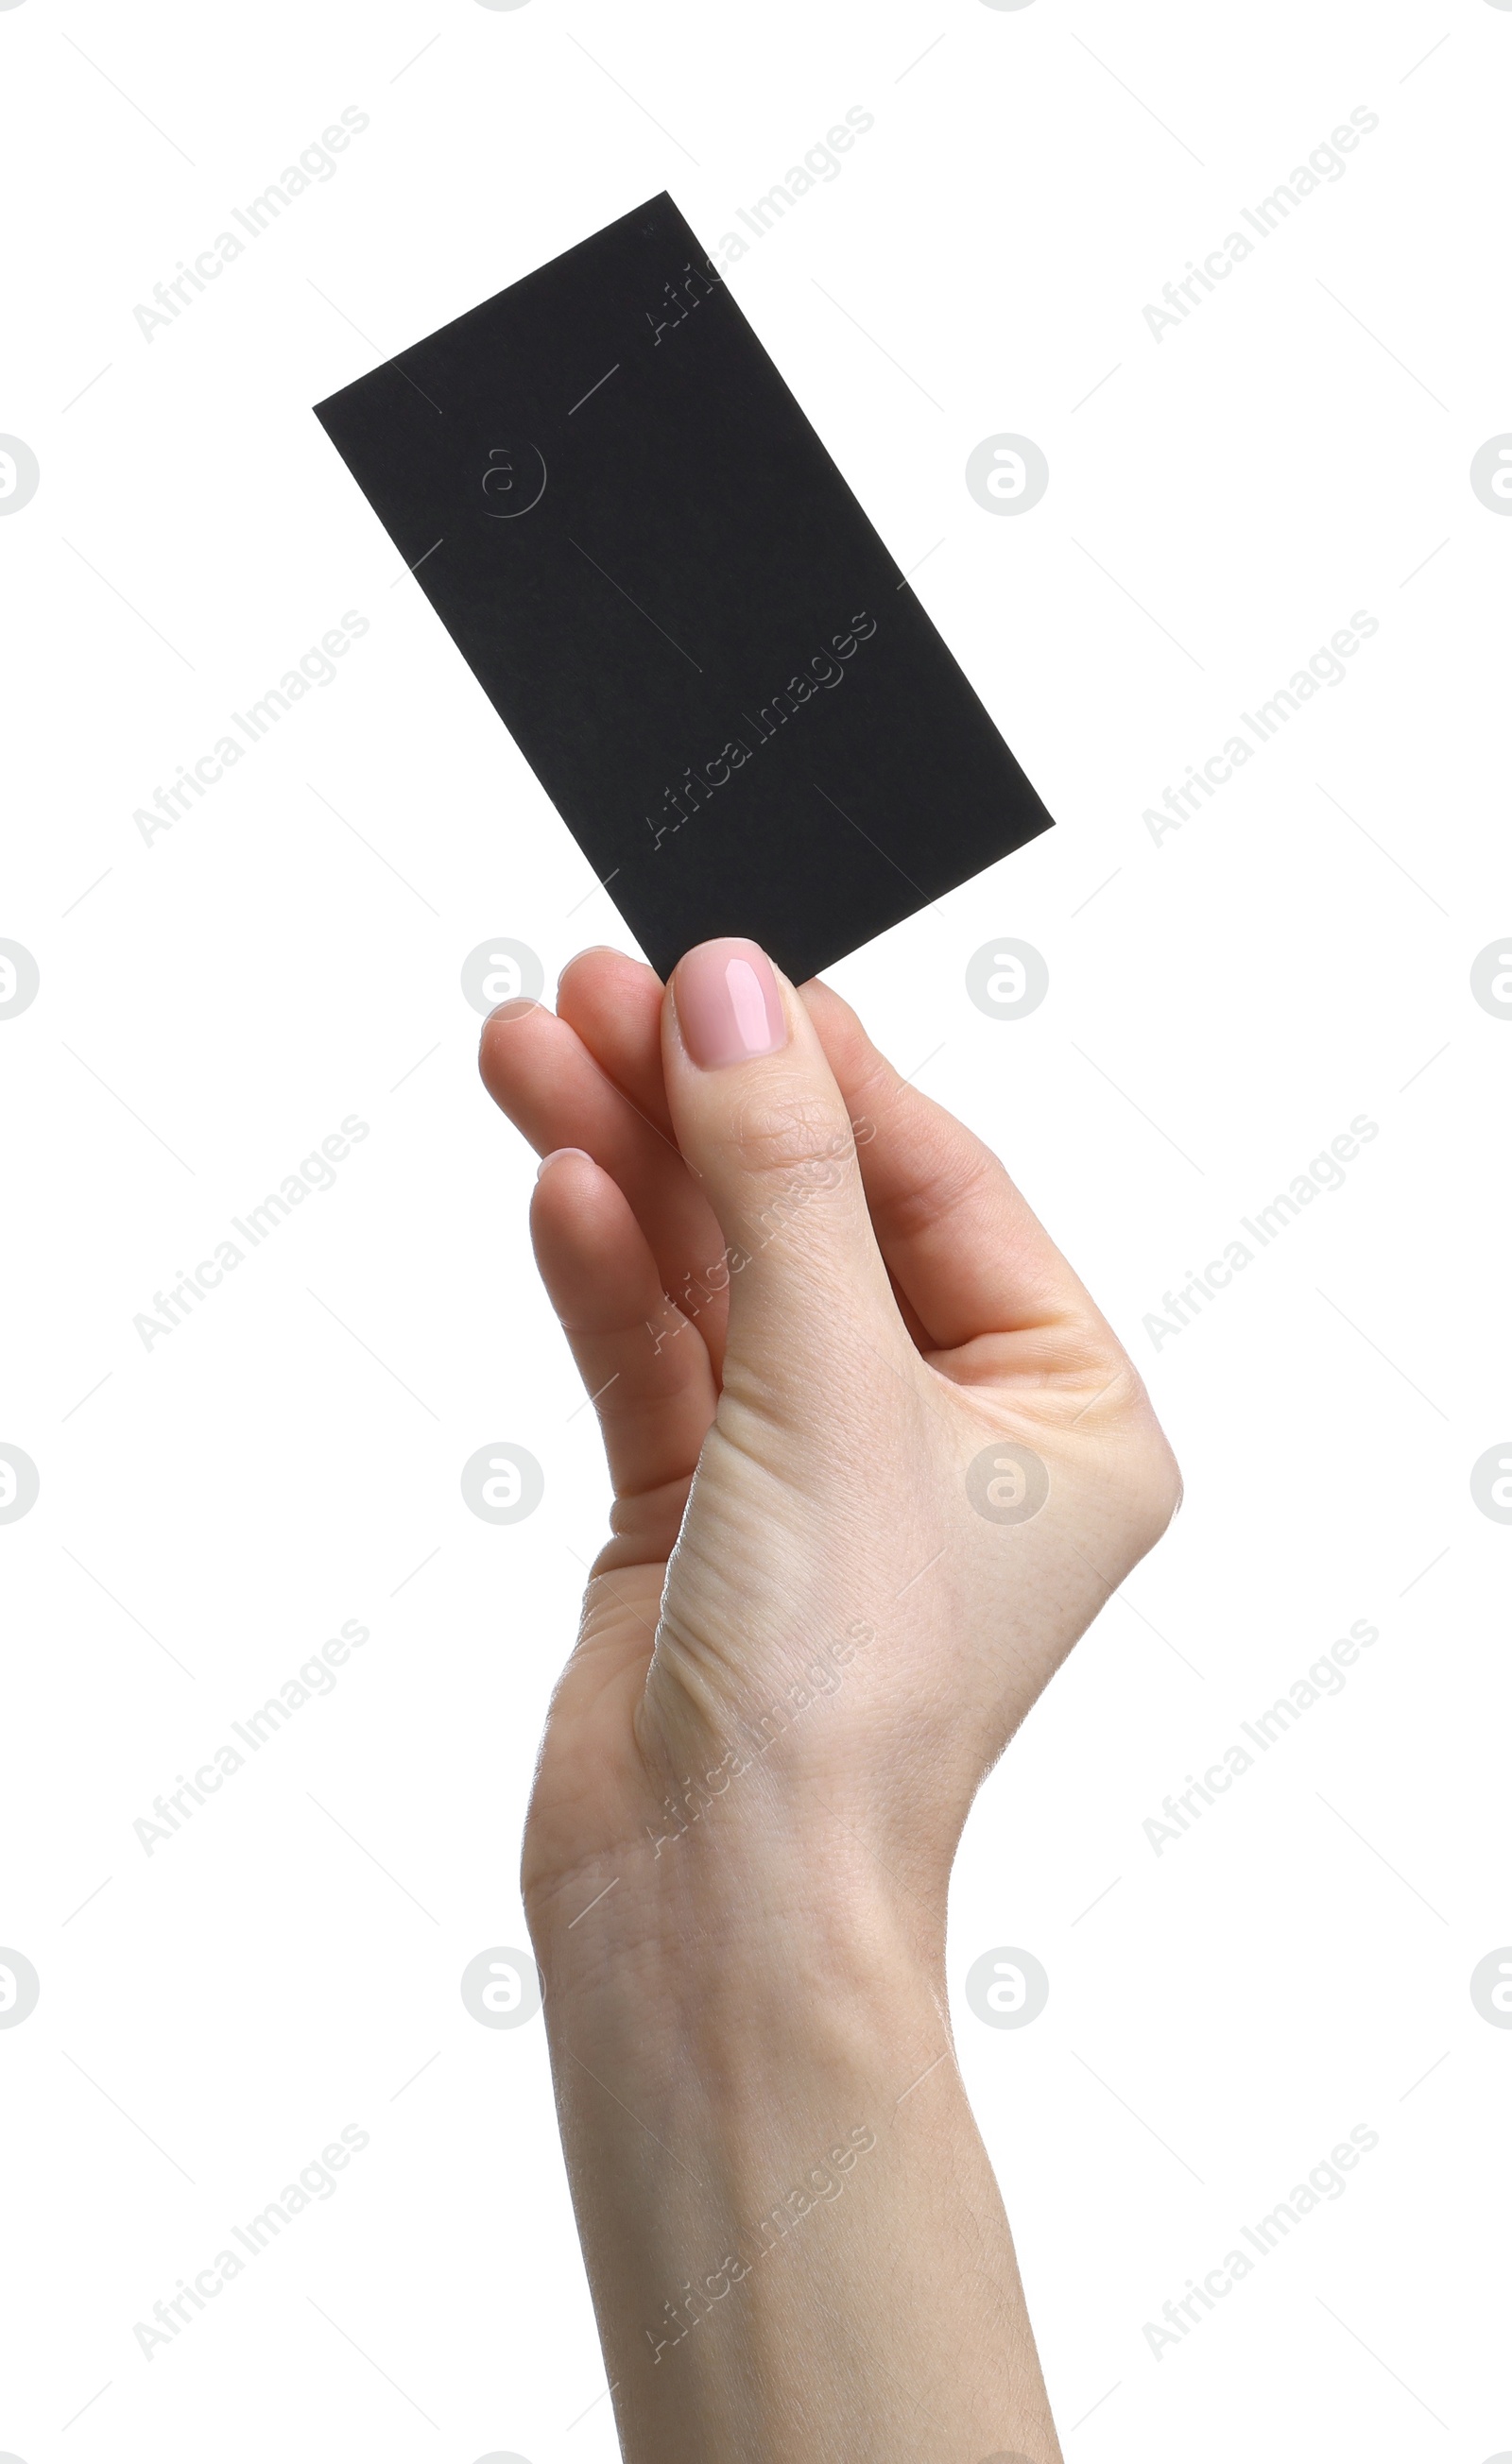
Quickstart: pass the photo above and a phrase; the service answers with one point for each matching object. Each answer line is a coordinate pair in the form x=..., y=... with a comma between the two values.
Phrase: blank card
x=665, y=587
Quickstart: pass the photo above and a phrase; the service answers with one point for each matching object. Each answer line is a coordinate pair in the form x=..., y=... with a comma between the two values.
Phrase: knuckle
x=1158, y=1487
x=799, y=1139
x=1138, y=1470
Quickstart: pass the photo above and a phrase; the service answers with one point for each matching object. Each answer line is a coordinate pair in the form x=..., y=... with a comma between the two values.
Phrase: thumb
x=765, y=1130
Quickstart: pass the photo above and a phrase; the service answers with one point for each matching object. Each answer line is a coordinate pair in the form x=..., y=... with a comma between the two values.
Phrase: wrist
x=717, y=1940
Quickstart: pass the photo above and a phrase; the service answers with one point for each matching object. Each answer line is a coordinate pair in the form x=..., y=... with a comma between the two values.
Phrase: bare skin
x=828, y=1343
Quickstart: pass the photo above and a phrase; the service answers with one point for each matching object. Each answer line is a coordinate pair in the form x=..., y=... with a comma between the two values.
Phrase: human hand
x=879, y=1360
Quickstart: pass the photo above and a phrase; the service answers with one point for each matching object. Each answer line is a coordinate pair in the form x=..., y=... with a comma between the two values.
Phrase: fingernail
x=728, y=1004
x=555, y=1156
x=594, y=950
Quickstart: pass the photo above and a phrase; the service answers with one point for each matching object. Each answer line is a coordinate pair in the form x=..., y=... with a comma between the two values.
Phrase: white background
x=213, y=1003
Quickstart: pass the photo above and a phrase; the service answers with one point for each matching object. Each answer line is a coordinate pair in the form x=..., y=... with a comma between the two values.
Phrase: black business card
x=677, y=607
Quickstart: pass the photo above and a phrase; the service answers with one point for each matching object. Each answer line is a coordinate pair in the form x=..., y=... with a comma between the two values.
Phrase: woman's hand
x=836, y=1360
x=878, y=1461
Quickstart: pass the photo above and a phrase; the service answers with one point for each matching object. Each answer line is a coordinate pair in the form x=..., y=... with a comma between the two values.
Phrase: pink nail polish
x=728, y=1004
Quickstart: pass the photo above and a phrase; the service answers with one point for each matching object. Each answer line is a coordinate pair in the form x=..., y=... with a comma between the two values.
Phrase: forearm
x=795, y=2243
